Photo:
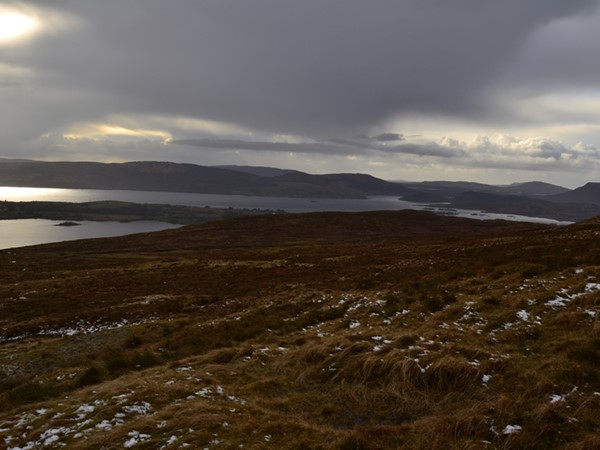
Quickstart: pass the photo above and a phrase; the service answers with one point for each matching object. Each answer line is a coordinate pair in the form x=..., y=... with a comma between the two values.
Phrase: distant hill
x=533, y=188
x=530, y=199
x=144, y=176
x=590, y=193
x=452, y=188
x=259, y=170
x=358, y=183
x=14, y=160
x=173, y=177
x=525, y=206
x=533, y=199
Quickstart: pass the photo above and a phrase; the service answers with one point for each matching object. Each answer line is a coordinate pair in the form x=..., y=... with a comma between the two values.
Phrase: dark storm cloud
x=305, y=67
x=429, y=149
x=565, y=54
x=290, y=147
x=342, y=147
x=389, y=137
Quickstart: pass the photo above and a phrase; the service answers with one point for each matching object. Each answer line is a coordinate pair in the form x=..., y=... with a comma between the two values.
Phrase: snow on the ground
x=135, y=437
x=563, y=297
x=510, y=429
x=81, y=327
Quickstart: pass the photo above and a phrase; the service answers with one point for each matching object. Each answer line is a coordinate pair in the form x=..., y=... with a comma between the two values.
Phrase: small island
x=67, y=224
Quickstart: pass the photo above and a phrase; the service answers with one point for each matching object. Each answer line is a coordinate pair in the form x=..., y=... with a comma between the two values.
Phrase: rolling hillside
x=172, y=177
x=307, y=331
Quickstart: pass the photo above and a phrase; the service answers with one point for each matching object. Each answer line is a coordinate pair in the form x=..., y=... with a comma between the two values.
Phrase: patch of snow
x=83, y=410
x=204, y=392
x=86, y=409
x=591, y=287
x=557, y=398
x=50, y=440
x=235, y=399
x=354, y=324
x=170, y=441
x=121, y=398
x=557, y=302
x=510, y=429
x=105, y=425
x=561, y=301
x=53, y=432
x=141, y=408
x=523, y=315
x=135, y=437
x=486, y=378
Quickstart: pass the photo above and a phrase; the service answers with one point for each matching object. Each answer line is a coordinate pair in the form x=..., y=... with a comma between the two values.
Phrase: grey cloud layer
x=500, y=151
x=329, y=147
x=285, y=76
x=305, y=67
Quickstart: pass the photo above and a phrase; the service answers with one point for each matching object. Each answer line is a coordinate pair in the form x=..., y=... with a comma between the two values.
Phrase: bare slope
x=332, y=331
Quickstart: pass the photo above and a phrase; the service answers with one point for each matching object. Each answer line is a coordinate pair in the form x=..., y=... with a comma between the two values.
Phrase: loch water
x=23, y=232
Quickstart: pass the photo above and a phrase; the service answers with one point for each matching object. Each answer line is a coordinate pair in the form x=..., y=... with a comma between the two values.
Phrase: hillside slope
x=590, y=193
x=527, y=206
x=173, y=177
x=322, y=331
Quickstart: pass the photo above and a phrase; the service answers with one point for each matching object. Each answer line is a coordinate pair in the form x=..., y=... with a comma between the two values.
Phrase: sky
x=477, y=90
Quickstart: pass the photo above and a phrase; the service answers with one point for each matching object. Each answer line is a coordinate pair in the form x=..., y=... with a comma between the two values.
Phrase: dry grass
x=330, y=331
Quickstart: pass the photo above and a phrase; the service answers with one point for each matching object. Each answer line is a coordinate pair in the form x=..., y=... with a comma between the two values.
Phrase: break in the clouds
x=405, y=89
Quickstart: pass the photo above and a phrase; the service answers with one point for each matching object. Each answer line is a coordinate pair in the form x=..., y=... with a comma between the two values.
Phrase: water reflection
x=23, y=232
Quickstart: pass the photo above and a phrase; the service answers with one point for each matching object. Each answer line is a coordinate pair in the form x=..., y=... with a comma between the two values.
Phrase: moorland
x=306, y=331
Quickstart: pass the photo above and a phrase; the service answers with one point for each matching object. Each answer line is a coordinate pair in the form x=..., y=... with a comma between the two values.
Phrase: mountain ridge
x=536, y=198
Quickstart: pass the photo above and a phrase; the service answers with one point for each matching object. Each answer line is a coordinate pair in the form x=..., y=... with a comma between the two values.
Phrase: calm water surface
x=17, y=233
x=23, y=232
x=17, y=194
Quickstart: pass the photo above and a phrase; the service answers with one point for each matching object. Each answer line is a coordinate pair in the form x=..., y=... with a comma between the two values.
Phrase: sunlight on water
x=27, y=194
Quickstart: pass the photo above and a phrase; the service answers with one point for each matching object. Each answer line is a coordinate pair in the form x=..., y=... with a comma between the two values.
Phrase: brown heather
x=315, y=331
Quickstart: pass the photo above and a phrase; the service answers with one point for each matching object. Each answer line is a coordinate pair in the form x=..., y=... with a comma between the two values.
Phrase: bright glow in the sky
x=107, y=131
x=15, y=25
